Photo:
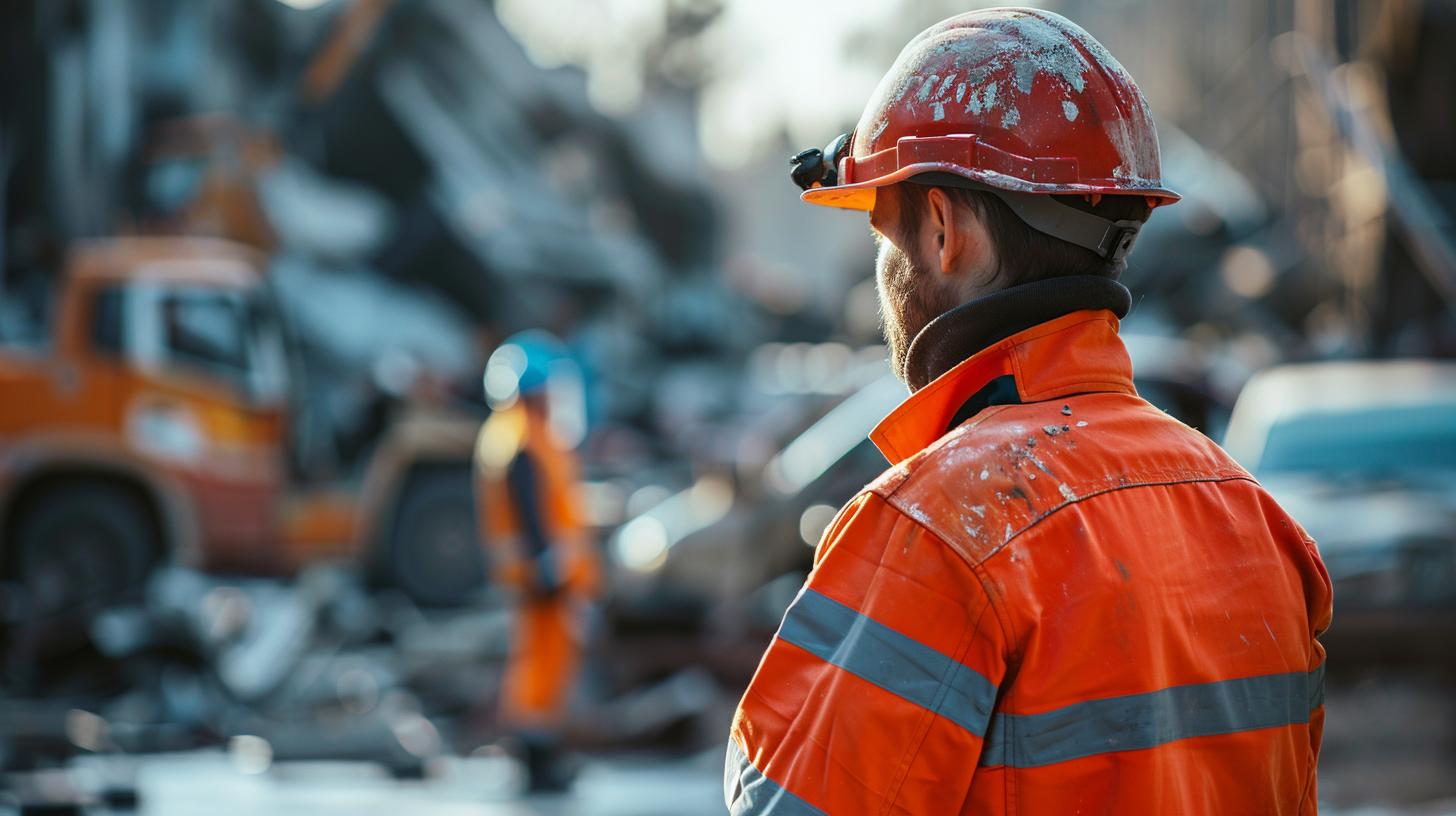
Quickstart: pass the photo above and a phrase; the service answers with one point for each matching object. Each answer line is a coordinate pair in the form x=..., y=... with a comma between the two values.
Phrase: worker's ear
x=959, y=239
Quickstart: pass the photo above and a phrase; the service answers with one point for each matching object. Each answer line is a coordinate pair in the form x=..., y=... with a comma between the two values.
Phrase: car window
x=1420, y=437
x=834, y=436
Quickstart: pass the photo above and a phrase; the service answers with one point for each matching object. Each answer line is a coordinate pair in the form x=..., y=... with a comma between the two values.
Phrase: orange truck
x=152, y=427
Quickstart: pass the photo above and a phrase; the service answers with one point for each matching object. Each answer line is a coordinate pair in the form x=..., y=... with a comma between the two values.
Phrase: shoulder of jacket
x=999, y=475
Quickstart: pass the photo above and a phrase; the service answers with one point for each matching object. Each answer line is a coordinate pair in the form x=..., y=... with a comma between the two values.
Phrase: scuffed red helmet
x=1015, y=100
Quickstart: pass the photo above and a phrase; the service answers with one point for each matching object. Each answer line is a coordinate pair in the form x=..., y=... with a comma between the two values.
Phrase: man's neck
x=972, y=326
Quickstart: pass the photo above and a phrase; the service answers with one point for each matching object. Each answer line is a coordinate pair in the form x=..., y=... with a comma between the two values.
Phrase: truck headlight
x=166, y=430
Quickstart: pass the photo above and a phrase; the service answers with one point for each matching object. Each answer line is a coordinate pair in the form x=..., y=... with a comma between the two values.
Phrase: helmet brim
x=861, y=195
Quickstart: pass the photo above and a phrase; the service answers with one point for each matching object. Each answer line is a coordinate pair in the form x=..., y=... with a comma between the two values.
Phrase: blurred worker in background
x=1059, y=599
x=527, y=481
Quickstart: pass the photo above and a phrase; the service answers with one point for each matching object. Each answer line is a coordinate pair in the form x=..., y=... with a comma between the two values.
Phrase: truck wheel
x=83, y=545
x=434, y=552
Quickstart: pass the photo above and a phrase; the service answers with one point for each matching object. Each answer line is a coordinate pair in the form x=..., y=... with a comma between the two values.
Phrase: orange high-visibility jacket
x=1057, y=600
x=550, y=532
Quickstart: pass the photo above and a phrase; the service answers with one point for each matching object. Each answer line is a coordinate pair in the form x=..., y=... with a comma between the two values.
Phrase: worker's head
x=537, y=373
x=1003, y=147
x=525, y=370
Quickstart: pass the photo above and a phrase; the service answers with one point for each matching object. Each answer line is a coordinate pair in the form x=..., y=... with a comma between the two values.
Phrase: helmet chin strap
x=1110, y=239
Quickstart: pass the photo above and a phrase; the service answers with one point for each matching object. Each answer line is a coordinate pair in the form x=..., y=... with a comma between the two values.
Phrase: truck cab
x=150, y=424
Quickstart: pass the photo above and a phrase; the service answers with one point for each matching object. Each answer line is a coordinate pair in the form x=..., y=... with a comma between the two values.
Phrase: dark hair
x=1024, y=255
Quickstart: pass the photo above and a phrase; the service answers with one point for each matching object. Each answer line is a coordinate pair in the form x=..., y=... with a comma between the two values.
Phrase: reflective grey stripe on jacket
x=747, y=792
x=1148, y=720
x=896, y=663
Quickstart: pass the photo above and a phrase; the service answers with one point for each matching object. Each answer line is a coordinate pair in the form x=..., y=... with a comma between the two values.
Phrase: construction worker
x=531, y=519
x=1058, y=599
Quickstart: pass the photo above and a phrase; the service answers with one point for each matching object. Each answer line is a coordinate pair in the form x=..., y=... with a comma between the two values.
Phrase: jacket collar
x=983, y=322
x=1030, y=343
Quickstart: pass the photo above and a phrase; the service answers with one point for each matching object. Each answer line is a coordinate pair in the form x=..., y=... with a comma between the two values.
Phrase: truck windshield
x=208, y=329
x=226, y=333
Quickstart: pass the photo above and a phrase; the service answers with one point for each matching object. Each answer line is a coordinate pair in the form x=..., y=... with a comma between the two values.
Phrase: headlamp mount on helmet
x=819, y=168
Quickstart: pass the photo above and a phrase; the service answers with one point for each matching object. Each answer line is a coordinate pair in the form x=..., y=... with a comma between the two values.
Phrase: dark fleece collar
x=970, y=327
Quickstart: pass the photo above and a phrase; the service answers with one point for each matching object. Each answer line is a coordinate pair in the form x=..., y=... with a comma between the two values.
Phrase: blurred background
x=256, y=253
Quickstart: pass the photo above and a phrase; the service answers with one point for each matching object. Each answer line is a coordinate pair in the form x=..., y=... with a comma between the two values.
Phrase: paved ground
x=1390, y=750
x=214, y=785
x=1390, y=738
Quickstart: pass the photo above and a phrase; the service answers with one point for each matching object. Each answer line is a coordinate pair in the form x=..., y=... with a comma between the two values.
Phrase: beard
x=909, y=299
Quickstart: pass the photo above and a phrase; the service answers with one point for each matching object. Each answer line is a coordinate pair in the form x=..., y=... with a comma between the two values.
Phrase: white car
x=1363, y=454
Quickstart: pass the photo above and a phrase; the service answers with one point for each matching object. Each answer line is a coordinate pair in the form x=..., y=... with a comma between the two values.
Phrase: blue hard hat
x=523, y=365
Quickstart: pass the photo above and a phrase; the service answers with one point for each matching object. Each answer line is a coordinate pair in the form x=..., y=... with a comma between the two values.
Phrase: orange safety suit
x=532, y=522
x=1057, y=600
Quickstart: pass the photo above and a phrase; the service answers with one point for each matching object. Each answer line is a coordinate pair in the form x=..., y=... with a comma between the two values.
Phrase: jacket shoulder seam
x=971, y=564
x=907, y=759
x=975, y=561
x=1079, y=498
x=850, y=552
x=912, y=753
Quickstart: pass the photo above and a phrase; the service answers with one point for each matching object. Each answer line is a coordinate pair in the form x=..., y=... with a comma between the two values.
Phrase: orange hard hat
x=1020, y=102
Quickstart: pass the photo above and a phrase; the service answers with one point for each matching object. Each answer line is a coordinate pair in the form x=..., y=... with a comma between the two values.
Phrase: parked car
x=1363, y=454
